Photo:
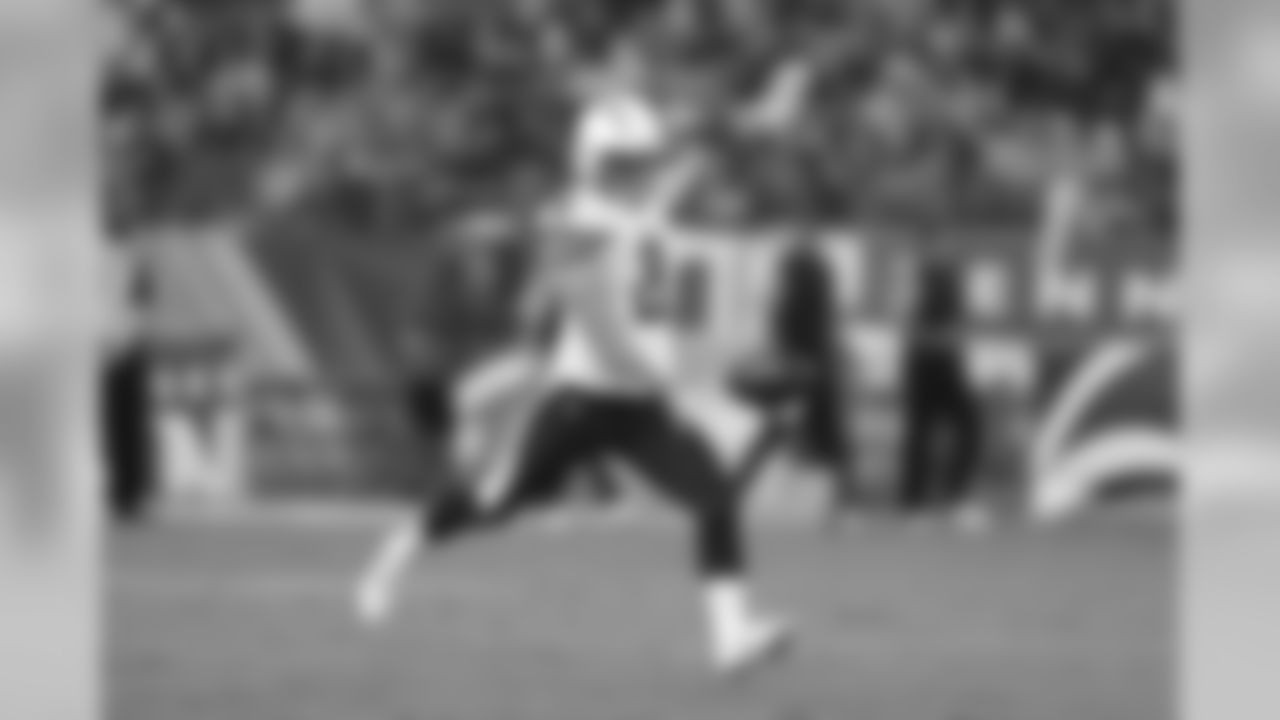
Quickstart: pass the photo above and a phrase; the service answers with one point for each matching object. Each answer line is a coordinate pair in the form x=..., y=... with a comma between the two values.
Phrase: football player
x=612, y=383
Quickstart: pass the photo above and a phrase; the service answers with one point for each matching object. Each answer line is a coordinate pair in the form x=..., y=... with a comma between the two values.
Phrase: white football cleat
x=757, y=643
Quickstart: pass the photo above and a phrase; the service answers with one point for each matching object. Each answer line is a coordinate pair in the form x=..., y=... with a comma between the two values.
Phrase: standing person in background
x=942, y=438
x=805, y=330
x=126, y=405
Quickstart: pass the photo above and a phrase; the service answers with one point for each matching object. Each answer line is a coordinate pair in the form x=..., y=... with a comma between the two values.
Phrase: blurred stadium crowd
x=392, y=113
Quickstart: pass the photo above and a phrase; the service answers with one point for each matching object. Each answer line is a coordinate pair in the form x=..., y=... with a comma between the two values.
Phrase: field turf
x=249, y=618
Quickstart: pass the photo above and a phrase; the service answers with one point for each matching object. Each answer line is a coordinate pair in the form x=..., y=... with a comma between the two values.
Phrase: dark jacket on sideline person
x=804, y=321
x=805, y=330
x=940, y=404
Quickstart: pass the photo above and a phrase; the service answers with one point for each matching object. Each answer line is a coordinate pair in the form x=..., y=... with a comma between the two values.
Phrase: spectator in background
x=806, y=335
x=942, y=438
x=126, y=405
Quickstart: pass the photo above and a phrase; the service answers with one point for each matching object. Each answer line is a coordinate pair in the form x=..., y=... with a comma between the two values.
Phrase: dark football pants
x=574, y=429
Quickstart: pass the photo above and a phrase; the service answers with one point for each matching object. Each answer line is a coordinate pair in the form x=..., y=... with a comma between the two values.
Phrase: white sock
x=728, y=610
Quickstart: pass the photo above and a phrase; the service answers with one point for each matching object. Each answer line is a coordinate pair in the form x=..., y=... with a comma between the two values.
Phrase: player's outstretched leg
x=740, y=635
x=555, y=442
x=447, y=517
x=451, y=516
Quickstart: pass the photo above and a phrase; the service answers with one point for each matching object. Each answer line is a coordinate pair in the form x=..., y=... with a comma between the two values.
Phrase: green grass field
x=248, y=619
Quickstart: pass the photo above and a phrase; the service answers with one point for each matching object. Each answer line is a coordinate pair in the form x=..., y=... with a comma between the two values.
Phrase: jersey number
x=671, y=292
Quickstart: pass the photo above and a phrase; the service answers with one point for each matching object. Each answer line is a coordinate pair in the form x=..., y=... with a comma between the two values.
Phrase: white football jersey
x=660, y=290
x=629, y=245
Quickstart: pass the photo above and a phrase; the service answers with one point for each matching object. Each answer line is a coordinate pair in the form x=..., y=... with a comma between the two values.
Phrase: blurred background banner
x=49, y=295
